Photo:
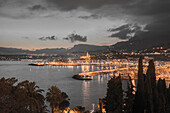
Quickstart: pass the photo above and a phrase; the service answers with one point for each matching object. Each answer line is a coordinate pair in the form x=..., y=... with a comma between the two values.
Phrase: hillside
x=141, y=43
x=86, y=47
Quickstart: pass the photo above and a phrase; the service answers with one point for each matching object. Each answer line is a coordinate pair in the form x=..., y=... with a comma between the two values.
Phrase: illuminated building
x=87, y=57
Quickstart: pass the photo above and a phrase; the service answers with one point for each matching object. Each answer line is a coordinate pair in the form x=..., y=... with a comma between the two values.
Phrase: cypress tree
x=168, y=100
x=151, y=86
x=164, y=96
x=129, y=99
x=139, y=96
x=161, y=86
x=148, y=95
x=140, y=85
x=114, y=96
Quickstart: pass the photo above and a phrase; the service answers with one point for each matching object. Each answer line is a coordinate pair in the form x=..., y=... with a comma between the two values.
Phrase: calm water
x=84, y=93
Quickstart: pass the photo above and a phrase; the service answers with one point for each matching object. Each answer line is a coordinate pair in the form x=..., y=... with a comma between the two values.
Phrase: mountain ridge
x=133, y=44
x=59, y=51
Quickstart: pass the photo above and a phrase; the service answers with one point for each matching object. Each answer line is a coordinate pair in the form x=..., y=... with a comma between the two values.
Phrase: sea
x=80, y=92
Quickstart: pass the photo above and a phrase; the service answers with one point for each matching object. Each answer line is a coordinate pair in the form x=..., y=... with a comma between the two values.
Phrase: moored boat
x=78, y=77
x=37, y=64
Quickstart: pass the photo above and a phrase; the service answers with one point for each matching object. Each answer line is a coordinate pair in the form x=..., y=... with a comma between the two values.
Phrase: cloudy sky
x=34, y=24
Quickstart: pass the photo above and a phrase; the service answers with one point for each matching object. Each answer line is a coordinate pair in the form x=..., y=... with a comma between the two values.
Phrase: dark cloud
x=48, y=38
x=126, y=26
x=148, y=7
x=93, y=16
x=126, y=31
x=25, y=37
x=37, y=8
x=158, y=11
x=14, y=2
x=124, y=34
x=75, y=37
x=88, y=4
x=2, y=2
x=158, y=27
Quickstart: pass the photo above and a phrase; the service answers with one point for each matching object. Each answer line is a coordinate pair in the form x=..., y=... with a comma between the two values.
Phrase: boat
x=78, y=77
x=37, y=64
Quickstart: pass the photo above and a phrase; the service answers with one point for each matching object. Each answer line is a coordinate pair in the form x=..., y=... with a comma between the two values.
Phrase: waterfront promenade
x=124, y=72
x=125, y=75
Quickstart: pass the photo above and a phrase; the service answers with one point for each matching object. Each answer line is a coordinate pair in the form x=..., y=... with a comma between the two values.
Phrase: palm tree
x=12, y=97
x=6, y=95
x=34, y=96
x=78, y=109
x=56, y=98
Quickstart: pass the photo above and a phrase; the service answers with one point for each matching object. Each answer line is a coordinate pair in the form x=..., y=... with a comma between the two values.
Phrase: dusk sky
x=35, y=24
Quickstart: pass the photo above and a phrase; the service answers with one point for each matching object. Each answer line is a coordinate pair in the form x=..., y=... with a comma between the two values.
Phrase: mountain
x=86, y=47
x=16, y=51
x=60, y=51
x=12, y=51
x=133, y=44
x=141, y=43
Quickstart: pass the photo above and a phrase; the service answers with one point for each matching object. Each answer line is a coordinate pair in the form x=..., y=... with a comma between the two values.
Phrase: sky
x=36, y=24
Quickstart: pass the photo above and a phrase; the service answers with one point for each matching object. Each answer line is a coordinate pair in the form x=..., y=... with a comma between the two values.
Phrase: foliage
x=130, y=96
x=150, y=97
x=24, y=97
x=79, y=109
x=58, y=100
x=138, y=106
x=114, y=96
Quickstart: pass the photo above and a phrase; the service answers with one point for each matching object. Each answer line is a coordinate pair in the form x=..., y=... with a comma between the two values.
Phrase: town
x=124, y=67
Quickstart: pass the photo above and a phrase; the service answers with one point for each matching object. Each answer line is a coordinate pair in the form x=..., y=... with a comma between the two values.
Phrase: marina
x=114, y=67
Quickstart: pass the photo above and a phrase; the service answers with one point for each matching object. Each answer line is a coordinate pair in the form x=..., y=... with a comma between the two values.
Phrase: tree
x=56, y=98
x=162, y=93
x=148, y=95
x=78, y=109
x=130, y=96
x=12, y=98
x=114, y=96
x=34, y=96
x=63, y=105
x=168, y=100
x=140, y=84
x=139, y=101
x=152, y=93
x=24, y=97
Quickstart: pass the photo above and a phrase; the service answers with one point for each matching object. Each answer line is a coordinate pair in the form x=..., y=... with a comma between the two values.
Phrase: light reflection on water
x=84, y=93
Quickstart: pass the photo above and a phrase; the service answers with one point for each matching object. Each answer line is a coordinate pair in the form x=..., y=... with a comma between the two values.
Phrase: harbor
x=113, y=67
x=125, y=73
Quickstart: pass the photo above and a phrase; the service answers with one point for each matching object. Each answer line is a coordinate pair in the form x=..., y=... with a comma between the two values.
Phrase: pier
x=94, y=73
x=123, y=71
x=124, y=75
x=102, y=72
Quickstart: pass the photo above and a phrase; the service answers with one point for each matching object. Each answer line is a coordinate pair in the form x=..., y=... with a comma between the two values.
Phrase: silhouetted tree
x=34, y=96
x=63, y=105
x=114, y=96
x=148, y=96
x=57, y=98
x=15, y=98
x=162, y=93
x=168, y=100
x=12, y=98
x=139, y=101
x=151, y=77
x=78, y=109
x=130, y=96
